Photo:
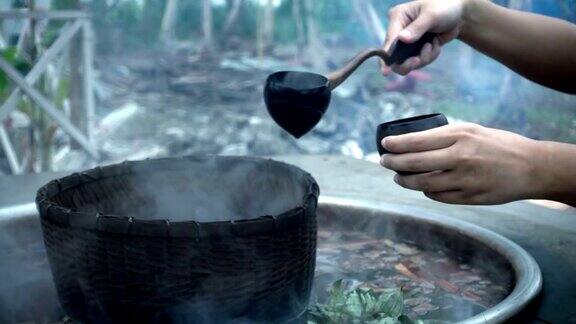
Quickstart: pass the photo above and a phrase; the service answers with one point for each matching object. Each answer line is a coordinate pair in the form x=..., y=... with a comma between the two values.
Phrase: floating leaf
x=392, y=303
x=406, y=320
x=337, y=294
x=386, y=320
x=355, y=306
x=361, y=306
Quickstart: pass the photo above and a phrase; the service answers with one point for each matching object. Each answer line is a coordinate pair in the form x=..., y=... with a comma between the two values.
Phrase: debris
x=117, y=119
x=405, y=249
x=449, y=287
x=405, y=271
x=352, y=148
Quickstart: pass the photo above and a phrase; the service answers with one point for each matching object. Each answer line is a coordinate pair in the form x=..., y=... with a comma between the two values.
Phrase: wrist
x=553, y=174
x=538, y=174
x=556, y=171
x=471, y=11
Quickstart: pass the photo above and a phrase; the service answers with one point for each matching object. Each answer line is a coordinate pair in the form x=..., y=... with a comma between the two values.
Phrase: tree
x=168, y=20
x=300, y=36
x=207, y=31
x=268, y=27
x=232, y=16
x=315, y=48
x=150, y=21
x=265, y=29
x=369, y=19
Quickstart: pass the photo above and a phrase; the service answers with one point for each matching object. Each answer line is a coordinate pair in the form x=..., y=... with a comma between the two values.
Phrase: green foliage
x=133, y=23
x=10, y=54
x=334, y=16
x=285, y=28
x=65, y=4
x=127, y=16
x=54, y=26
x=62, y=91
x=247, y=21
x=360, y=305
x=189, y=19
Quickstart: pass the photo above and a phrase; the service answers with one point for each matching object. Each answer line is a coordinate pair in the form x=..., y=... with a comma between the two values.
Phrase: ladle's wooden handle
x=399, y=52
x=337, y=77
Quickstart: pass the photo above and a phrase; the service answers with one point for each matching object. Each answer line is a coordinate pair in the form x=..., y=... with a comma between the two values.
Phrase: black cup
x=408, y=125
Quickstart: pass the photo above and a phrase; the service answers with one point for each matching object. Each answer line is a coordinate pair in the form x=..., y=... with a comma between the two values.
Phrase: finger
x=436, y=49
x=426, y=54
x=417, y=28
x=430, y=182
x=406, y=67
x=448, y=36
x=428, y=140
x=386, y=70
x=395, y=25
x=436, y=160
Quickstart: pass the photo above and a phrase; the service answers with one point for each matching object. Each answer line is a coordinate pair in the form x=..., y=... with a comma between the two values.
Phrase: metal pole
x=88, y=88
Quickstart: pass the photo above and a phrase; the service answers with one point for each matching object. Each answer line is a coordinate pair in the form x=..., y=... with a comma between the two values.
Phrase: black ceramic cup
x=405, y=126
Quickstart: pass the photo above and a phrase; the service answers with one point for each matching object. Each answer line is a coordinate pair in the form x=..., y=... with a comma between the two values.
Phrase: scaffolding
x=76, y=32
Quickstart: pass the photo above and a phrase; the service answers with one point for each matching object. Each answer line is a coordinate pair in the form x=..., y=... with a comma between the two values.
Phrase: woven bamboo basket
x=189, y=240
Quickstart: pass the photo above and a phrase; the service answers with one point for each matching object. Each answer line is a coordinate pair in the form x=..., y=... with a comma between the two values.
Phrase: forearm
x=555, y=171
x=540, y=48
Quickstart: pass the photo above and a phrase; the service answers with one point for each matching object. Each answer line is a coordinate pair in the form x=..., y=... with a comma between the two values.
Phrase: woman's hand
x=467, y=164
x=409, y=21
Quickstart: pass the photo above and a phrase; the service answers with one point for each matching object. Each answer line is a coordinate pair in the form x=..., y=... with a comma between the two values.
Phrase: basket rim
x=117, y=224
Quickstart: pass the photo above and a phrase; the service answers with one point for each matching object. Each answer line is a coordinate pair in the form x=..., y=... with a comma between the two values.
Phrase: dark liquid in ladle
x=303, y=81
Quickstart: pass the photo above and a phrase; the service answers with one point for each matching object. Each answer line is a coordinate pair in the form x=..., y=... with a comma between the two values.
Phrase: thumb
x=417, y=28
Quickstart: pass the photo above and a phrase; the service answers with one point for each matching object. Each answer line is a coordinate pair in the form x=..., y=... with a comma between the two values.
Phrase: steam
x=215, y=191
x=203, y=190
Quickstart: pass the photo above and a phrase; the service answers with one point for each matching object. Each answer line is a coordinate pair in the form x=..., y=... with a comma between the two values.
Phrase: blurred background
x=96, y=82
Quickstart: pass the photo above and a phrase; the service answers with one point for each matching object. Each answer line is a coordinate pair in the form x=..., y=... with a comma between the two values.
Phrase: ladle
x=298, y=100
